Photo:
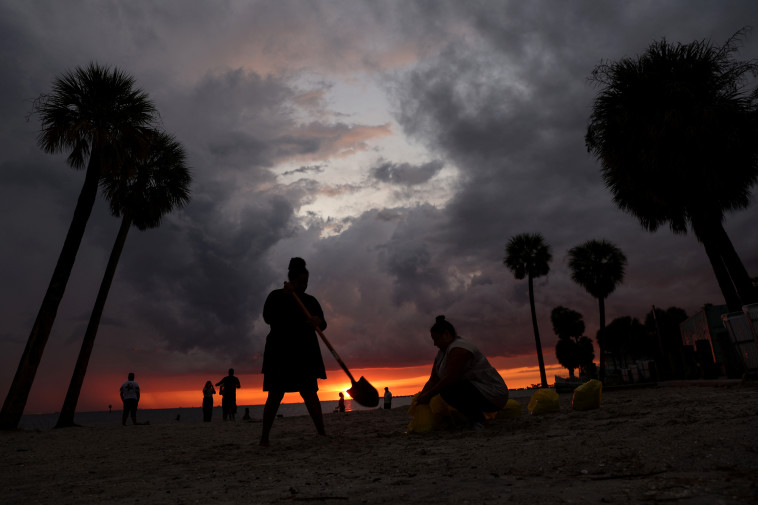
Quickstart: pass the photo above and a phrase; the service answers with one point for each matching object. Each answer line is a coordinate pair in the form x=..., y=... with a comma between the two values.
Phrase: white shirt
x=478, y=372
x=130, y=390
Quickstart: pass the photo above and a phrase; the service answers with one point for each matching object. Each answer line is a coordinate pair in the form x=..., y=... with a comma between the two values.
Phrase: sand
x=671, y=444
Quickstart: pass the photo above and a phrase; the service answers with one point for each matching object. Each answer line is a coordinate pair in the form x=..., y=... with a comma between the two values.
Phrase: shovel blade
x=364, y=393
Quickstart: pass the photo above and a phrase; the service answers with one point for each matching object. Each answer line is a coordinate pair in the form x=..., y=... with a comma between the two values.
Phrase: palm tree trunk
x=600, y=344
x=15, y=402
x=736, y=269
x=708, y=237
x=66, y=417
x=541, y=361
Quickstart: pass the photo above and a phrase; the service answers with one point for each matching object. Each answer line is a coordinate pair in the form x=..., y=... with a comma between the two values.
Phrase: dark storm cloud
x=305, y=170
x=405, y=174
x=511, y=111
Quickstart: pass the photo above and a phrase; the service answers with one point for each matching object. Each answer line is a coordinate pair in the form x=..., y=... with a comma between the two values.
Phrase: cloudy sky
x=395, y=145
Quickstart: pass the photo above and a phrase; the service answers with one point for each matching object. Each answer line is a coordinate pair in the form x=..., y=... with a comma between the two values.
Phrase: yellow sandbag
x=445, y=415
x=544, y=401
x=512, y=409
x=423, y=419
x=587, y=396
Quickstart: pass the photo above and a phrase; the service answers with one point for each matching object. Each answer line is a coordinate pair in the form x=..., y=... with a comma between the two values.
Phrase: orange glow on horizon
x=172, y=392
x=185, y=391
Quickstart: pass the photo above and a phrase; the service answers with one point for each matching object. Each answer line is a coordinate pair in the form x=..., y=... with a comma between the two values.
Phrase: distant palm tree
x=160, y=183
x=569, y=326
x=675, y=131
x=527, y=255
x=598, y=266
x=94, y=112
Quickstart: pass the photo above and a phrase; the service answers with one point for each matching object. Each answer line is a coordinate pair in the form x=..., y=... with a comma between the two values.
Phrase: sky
x=396, y=146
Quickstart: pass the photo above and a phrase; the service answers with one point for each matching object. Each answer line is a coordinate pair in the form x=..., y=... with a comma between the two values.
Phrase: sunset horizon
x=156, y=393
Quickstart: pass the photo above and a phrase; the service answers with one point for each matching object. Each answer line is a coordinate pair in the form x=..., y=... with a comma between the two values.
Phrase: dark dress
x=292, y=359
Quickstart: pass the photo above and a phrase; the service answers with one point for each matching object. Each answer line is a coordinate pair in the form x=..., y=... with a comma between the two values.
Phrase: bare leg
x=269, y=414
x=314, y=409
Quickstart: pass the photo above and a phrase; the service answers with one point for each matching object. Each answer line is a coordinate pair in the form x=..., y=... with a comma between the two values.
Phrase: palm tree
x=92, y=111
x=598, y=266
x=527, y=255
x=674, y=130
x=569, y=326
x=141, y=197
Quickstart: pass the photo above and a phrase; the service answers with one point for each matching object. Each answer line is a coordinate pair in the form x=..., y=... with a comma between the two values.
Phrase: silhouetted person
x=387, y=398
x=247, y=417
x=228, y=391
x=341, y=404
x=292, y=359
x=463, y=377
x=208, y=392
x=130, y=398
x=109, y=408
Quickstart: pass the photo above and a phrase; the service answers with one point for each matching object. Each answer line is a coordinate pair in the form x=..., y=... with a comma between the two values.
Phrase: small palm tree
x=674, y=130
x=569, y=326
x=159, y=184
x=598, y=266
x=527, y=255
x=94, y=112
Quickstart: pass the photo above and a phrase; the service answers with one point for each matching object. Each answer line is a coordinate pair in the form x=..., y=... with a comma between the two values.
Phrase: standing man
x=387, y=398
x=130, y=397
x=228, y=390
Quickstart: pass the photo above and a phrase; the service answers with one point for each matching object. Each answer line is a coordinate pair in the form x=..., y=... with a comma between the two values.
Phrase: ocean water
x=190, y=414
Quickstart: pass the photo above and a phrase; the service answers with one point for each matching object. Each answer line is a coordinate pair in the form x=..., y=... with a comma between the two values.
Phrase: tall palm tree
x=674, y=130
x=527, y=255
x=598, y=266
x=92, y=111
x=160, y=183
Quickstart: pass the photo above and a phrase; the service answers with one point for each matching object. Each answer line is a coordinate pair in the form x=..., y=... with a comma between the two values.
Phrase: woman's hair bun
x=441, y=325
x=297, y=264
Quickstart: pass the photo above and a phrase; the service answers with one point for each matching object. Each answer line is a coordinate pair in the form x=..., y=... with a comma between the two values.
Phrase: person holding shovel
x=292, y=359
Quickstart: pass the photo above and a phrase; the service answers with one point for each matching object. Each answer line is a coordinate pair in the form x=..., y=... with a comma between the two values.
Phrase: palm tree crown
x=160, y=183
x=527, y=254
x=93, y=109
x=674, y=130
x=598, y=266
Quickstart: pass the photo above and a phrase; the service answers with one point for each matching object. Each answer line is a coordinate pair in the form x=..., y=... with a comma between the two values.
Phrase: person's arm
x=137, y=388
x=433, y=380
x=457, y=359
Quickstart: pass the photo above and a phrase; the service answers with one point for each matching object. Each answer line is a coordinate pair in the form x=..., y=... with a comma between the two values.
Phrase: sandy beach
x=683, y=444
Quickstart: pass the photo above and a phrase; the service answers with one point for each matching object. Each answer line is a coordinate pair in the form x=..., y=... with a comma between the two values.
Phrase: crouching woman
x=463, y=377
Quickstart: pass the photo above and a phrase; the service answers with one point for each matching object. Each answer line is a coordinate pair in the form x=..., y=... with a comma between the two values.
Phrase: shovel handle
x=323, y=337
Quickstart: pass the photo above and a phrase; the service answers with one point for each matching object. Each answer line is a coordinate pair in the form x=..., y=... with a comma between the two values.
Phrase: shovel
x=362, y=391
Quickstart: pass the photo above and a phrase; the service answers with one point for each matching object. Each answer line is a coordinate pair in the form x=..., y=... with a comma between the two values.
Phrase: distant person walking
x=208, y=392
x=387, y=398
x=228, y=390
x=130, y=397
x=292, y=358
